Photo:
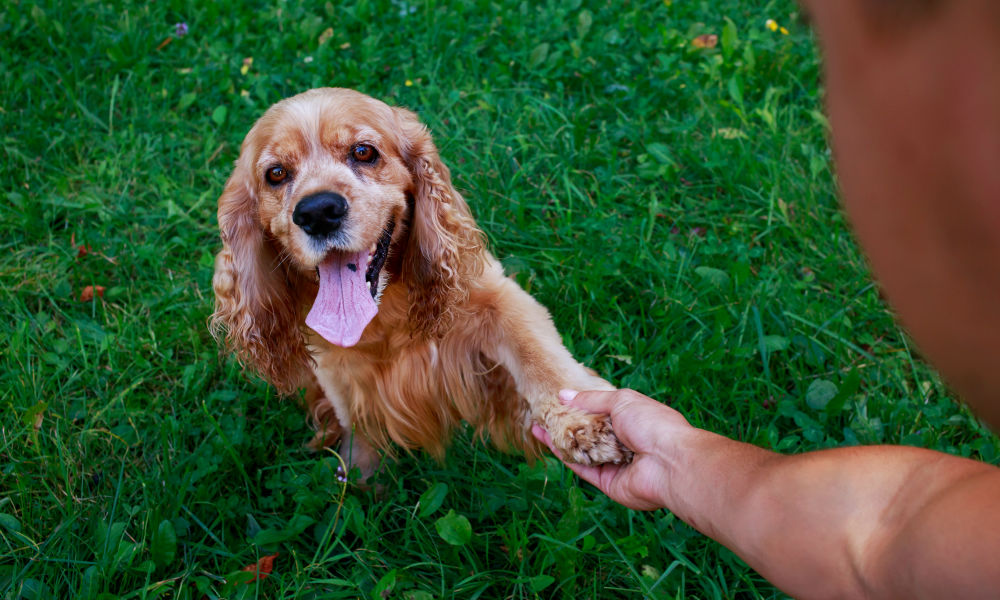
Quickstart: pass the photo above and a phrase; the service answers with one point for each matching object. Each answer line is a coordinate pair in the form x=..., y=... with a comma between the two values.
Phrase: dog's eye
x=276, y=175
x=364, y=153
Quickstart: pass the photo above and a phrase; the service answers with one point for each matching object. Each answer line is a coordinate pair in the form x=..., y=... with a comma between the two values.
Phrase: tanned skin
x=913, y=95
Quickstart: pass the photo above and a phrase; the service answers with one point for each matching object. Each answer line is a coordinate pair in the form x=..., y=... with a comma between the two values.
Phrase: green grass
x=673, y=206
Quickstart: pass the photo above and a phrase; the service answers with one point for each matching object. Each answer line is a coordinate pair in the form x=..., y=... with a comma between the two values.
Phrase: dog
x=351, y=267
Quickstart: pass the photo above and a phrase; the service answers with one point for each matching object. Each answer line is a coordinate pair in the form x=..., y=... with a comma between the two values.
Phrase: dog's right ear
x=257, y=315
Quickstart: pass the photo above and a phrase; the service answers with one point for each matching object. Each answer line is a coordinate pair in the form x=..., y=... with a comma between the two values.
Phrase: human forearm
x=828, y=524
x=785, y=516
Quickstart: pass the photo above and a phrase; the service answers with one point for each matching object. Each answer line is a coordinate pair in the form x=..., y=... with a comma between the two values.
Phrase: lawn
x=668, y=196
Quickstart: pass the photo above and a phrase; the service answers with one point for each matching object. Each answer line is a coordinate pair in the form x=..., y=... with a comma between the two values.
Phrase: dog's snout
x=320, y=214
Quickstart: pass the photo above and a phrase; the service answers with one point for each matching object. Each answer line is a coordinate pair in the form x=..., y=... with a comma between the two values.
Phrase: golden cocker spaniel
x=351, y=267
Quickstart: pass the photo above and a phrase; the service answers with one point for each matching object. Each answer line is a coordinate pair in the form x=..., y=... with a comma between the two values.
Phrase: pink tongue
x=344, y=304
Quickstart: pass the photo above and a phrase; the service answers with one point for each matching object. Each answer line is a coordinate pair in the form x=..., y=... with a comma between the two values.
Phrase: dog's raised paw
x=588, y=439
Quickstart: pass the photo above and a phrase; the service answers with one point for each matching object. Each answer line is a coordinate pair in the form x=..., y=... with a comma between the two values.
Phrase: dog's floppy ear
x=256, y=311
x=445, y=247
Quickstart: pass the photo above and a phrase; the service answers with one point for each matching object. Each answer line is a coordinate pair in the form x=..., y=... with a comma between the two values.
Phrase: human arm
x=882, y=521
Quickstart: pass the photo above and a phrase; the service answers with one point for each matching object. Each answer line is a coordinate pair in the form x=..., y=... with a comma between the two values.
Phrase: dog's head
x=335, y=195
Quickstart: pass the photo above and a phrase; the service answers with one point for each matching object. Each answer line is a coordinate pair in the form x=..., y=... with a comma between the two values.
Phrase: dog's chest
x=413, y=368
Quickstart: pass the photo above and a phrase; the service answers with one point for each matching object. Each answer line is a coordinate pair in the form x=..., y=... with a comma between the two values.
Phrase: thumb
x=598, y=402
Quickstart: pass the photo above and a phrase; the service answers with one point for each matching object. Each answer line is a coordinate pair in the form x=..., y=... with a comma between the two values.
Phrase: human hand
x=647, y=427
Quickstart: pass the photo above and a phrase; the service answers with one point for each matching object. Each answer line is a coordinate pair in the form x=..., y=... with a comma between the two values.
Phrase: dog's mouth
x=348, y=290
x=377, y=256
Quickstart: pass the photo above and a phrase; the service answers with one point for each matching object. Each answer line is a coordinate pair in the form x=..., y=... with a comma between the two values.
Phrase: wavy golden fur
x=452, y=339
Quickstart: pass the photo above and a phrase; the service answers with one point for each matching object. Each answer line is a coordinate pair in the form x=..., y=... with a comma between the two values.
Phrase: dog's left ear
x=446, y=248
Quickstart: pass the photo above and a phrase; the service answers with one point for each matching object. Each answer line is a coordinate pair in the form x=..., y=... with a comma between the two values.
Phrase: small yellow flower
x=783, y=31
x=408, y=83
x=244, y=93
x=771, y=24
x=247, y=63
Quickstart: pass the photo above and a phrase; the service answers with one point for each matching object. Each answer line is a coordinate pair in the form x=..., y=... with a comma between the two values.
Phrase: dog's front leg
x=353, y=447
x=322, y=417
x=529, y=347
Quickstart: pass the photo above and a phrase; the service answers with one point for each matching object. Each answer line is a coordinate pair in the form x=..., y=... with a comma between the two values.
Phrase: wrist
x=708, y=476
x=676, y=452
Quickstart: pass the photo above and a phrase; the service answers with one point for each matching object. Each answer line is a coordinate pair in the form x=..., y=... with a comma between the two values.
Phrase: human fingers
x=615, y=481
x=543, y=436
x=637, y=419
x=606, y=401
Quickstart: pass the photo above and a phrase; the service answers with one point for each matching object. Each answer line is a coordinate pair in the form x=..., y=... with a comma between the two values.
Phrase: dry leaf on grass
x=262, y=567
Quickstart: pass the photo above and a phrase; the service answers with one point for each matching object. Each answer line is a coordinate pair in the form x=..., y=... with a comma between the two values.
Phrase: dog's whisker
x=283, y=257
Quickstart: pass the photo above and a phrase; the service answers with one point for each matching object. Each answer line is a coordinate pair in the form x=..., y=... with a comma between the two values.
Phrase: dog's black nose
x=320, y=214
